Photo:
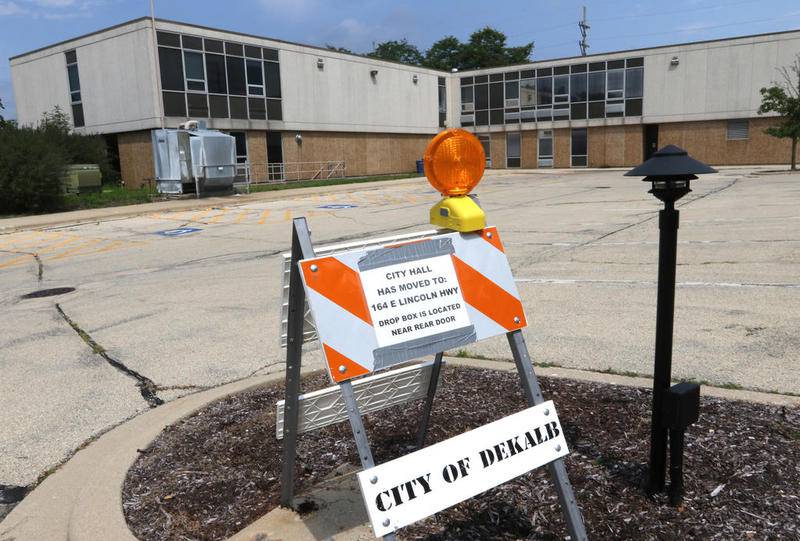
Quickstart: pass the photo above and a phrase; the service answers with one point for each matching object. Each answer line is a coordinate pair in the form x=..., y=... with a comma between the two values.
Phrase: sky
x=358, y=24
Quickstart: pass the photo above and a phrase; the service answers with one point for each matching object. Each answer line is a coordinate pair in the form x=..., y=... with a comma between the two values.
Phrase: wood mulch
x=210, y=475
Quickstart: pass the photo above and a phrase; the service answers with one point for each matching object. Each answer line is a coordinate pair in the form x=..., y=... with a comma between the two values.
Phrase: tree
x=338, y=49
x=784, y=98
x=1, y=108
x=398, y=51
x=487, y=49
x=445, y=54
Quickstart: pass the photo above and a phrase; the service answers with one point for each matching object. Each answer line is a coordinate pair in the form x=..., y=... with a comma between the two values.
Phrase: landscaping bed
x=211, y=474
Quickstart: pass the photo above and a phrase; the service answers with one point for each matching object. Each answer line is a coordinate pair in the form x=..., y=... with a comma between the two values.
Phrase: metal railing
x=264, y=173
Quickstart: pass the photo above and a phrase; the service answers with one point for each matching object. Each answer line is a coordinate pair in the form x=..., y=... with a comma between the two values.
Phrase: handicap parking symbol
x=337, y=206
x=178, y=232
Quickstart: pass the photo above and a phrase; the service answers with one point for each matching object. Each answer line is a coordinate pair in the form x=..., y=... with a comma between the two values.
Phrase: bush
x=32, y=161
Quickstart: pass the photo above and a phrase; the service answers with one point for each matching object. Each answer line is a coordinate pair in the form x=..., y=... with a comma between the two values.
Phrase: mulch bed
x=210, y=475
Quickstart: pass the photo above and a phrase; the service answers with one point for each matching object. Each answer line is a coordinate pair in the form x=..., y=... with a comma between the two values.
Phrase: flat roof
x=243, y=34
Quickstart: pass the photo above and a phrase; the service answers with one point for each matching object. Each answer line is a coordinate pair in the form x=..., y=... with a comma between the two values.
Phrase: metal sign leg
x=301, y=249
x=558, y=472
x=428, y=406
x=359, y=434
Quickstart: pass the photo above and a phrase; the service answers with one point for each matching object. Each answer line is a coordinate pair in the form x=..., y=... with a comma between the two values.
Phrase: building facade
x=287, y=103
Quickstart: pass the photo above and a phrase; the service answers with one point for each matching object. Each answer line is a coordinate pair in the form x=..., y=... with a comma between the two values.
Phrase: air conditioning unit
x=510, y=104
x=467, y=107
x=467, y=118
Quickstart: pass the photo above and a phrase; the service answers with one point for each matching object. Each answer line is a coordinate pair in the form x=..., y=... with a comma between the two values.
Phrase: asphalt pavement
x=173, y=301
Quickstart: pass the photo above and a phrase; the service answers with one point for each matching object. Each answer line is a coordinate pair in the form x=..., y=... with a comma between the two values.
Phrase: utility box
x=682, y=405
x=81, y=178
x=193, y=159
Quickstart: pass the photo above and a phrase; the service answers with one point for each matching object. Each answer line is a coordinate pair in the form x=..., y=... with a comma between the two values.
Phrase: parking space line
x=74, y=250
x=263, y=217
x=218, y=217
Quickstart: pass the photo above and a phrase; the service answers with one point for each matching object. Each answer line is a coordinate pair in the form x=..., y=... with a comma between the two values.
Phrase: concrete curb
x=9, y=225
x=82, y=500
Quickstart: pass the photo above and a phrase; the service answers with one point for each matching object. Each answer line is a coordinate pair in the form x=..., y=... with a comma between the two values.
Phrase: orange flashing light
x=454, y=162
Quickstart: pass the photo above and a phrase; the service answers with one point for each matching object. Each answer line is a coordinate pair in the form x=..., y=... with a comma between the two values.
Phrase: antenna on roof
x=583, y=26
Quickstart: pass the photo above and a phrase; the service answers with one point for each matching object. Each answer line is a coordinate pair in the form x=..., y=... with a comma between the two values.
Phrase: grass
x=323, y=182
x=110, y=196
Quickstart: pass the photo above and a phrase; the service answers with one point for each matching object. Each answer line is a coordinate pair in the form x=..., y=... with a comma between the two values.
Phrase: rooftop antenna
x=584, y=26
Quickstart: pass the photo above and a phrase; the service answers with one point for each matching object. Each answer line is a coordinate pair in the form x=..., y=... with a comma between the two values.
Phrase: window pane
x=481, y=97
x=561, y=88
x=544, y=86
x=442, y=100
x=482, y=118
x=597, y=109
x=271, y=54
x=273, y=79
x=77, y=115
x=615, y=82
x=466, y=94
x=252, y=52
x=198, y=105
x=191, y=42
x=577, y=111
x=74, y=81
x=579, y=141
x=71, y=57
x=597, y=85
x=527, y=92
x=257, y=109
x=167, y=38
x=577, y=87
x=236, y=82
x=215, y=73
x=198, y=86
x=512, y=90
x=496, y=117
x=238, y=107
x=214, y=46
x=234, y=48
x=241, y=142
x=633, y=83
x=274, y=111
x=194, y=65
x=633, y=107
x=496, y=96
x=254, y=74
x=512, y=145
x=75, y=97
x=171, y=69
x=218, y=106
x=174, y=104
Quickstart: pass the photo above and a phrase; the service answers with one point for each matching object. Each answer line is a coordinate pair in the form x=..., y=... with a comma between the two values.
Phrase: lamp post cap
x=670, y=161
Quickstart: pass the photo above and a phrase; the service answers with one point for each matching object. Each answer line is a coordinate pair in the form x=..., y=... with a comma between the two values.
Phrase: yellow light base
x=459, y=213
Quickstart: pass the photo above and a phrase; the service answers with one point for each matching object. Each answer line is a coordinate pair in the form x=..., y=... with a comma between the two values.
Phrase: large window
x=512, y=149
x=74, y=81
x=545, y=148
x=442, y=101
x=209, y=78
x=579, y=147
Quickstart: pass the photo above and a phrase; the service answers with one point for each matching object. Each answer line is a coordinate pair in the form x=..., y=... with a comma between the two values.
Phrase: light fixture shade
x=670, y=161
x=454, y=162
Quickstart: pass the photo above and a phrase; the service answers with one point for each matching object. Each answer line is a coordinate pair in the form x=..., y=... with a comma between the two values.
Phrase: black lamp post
x=670, y=171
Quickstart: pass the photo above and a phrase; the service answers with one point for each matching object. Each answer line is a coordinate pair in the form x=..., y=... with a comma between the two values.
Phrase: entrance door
x=650, y=140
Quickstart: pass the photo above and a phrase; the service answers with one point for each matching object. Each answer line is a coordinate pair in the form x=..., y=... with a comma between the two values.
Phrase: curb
x=76, y=217
x=81, y=501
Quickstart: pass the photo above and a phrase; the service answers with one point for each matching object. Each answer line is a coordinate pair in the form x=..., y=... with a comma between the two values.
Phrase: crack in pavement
x=146, y=386
x=35, y=256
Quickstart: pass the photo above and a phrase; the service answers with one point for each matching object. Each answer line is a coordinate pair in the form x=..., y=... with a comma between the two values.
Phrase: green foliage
x=784, y=98
x=1, y=108
x=398, y=51
x=487, y=49
x=32, y=161
x=338, y=49
x=445, y=54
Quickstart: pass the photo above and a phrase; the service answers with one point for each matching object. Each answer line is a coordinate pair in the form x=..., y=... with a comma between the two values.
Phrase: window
x=174, y=104
x=512, y=149
x=577, y=87
x=597, y=85
x=191, y=42
x=467, y=99
x=634, y=80
x=198, y=105
x=168, y=39
x=496, y=96
x=544, y=87
x=236, y=79
x=240, y=141
x=171, y=66
x=257, y=109
x=481, y=97
x=255, y=78
x=561, y=88
x=527, y=92
x=545, y=148
x=218, y=106
x=486, y=143
x=274, y=110
x=74, y=80
x=615, y=84
x=442, y=102
x=738, y=130
x=579, y=147
x=215, y=74
x=238, y=107
x=195, y=71
x=272, y=71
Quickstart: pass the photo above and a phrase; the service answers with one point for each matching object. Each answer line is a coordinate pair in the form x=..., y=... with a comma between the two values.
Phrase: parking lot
x=167, y=303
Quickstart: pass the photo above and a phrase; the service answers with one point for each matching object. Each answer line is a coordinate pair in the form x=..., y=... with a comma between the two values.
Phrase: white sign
x=425, y=482
x=414, y=299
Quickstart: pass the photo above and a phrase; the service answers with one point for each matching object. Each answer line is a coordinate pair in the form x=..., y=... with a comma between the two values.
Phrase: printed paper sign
x=425, y=482
x=414, y=300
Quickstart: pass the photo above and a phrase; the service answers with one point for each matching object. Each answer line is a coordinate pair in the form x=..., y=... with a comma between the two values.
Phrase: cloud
x=8, y=9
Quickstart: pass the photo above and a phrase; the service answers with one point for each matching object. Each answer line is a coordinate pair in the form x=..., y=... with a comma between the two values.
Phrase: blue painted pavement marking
x=337, y=206
x=178, y=232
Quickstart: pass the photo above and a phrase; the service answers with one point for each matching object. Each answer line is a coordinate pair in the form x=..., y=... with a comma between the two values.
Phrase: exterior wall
x=136, y=158
x=706, y=141
x=561, y=148
x=615, y=146
x=363, y=153
x=257, y=154
x=116, y=74
x=529, y=151
x=497, y=147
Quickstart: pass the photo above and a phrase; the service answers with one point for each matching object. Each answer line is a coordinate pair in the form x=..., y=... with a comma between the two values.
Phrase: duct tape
x=419, y=347
x=404, y=253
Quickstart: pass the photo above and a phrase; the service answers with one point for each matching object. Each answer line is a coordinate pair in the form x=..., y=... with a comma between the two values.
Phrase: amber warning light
x=454, y=163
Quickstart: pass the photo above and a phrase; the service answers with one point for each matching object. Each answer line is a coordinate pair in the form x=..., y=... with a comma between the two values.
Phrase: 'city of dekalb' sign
x=422, y=483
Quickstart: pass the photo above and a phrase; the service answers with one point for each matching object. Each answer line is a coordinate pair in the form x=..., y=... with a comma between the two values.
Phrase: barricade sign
x=377, y=304
x=384, y=305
